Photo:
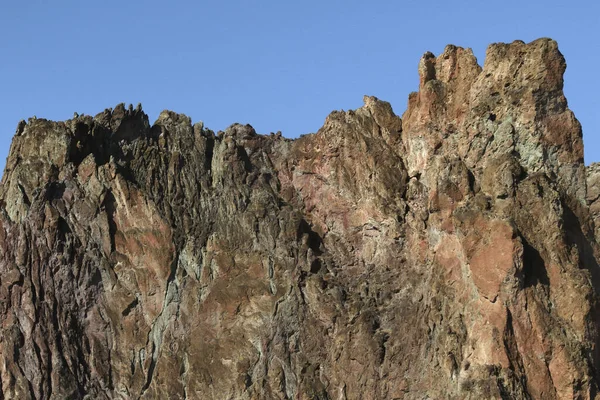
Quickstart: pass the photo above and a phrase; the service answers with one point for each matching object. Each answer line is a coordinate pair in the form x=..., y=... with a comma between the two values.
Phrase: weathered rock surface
x=449, y=254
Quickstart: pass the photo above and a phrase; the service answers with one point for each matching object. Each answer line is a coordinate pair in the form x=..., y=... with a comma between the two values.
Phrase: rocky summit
x=451, y=253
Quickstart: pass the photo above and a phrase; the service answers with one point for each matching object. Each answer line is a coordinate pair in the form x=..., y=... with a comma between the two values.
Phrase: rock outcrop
x=448, y=254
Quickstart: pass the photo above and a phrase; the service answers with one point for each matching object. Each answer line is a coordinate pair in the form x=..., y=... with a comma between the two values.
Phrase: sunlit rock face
x=448, y=254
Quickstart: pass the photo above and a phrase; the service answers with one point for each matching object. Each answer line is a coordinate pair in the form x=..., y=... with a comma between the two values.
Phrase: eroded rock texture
x=448, y=254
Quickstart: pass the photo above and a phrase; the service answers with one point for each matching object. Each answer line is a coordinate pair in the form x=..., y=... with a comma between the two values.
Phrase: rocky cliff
x=448, y=254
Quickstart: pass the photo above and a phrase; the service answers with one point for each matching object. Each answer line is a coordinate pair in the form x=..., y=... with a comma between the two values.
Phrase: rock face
x=448, y=254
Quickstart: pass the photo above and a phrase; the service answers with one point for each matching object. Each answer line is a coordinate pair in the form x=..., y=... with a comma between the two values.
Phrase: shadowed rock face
x=448, y=254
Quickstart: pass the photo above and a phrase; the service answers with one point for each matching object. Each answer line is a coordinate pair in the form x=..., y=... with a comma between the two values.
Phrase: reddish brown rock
x=451, y=253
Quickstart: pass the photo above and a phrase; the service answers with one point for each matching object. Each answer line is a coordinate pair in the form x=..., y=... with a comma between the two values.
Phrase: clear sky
x=278, y=65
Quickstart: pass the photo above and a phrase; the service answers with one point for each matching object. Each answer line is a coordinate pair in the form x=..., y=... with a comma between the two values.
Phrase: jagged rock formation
x=448, y=254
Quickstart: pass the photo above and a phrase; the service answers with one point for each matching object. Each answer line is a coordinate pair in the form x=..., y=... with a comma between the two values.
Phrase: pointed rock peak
x=170, y=117
x=457, y=63
x=383, y=114
x=112, y=118
x=373, y=104
x=20, y=127
x=239, y=132
x=121, y=112
x=427, y=68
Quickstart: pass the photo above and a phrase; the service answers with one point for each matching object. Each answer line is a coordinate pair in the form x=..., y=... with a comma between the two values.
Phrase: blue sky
x=277, y=65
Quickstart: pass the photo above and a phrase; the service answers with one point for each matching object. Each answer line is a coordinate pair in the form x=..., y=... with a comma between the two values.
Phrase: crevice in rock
x=314, y=240
x=83, y=379
x=383, y=339
x=109, y=204
x=132, y=363
x=81, y=144
x=534, y=267
x=54, y=191
x=30, y=387
x=62, y=230
x=130, y=308
x=160, y=323
x=208, y=156
x=576, y=237
x=243, y=156
x=24, y=194
x=40, y=365
x=150, y=373
x=515, y=359
x=315, y=266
